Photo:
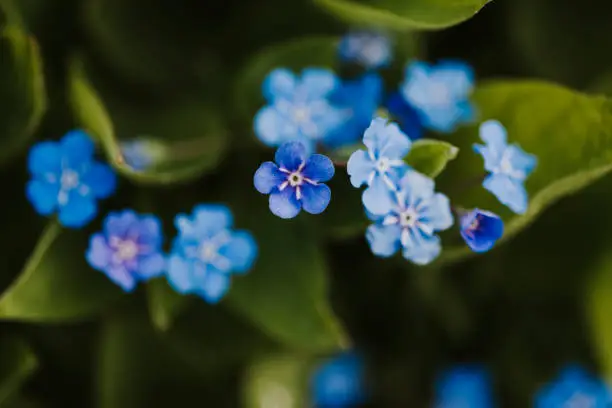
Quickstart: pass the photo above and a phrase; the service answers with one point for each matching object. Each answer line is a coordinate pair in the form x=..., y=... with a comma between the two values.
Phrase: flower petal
x=315, y=198
x=284, y=204
x=481, y=229
x=378, y=198
x=98, y=254
x=151, y=266
x=215, y=286
x=384, y=240
x=407, y=117
x=267, y=177
x=290, y=156
x=118, y=223
x=318, y=168
x=101, y=179
x=509, y=192
x=78, y=211
x=372, y=135
x=422, y=249
x=77, y=148
x=494, y=135
x=360, y=168
x=438, y=212
x=456, y=76
x=122, y=277
x=522, y=163
x=149, y=230
x=317, y=83
x=241, y=251
x=280, y=83
x=43, y=196
x=45, y=159
x=209, y=219
x=417, y=185
x=394, y=144
x=180, y=274
x=271, y=127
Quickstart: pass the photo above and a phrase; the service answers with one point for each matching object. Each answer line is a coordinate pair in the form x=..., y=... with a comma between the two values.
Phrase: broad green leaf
x=599, y=310
x=430, y=157
x=57, y=284
x=571, y=135
x=17, y=364
x=403, y=14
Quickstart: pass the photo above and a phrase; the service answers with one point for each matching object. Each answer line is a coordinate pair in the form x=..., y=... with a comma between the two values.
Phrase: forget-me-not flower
x=339, y=382
x=128, y=250
x=574, y=388
x=417, y=214
x=440, y=93
x=298, y=107
x=66, y=179
x=508, y=165
x=464, y=387
x=381, y=166
x=207, y=252
x=405, y=115
x=295, y=181
x=481, y=229
x=370, y=49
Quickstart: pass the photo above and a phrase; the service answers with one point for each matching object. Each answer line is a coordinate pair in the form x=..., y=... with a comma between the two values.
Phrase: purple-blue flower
x=481, y=229
x=207, y=252
x=381, y=166
x=440, y=93
x=339, y=382
x=405, y=115
x=295, y=181
x=66, y=179
x=128, y=250
x=464, y=387
x=574, y=388
x=508, y=165
x=370, y=49
x=418, y=212
x=298, y=107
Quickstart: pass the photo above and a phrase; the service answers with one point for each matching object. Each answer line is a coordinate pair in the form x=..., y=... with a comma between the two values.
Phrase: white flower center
x=208, y=251
x=125, y=249
x=383, y=165
x=408, y=218
x=295, y=179
x=301, y=114
x=69, y=179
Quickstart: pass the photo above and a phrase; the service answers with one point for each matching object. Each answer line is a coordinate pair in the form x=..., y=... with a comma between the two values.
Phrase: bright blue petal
x=315, y=198
x=317, y=83
x=508, y=191
x=284, y=204
x=522, y=163
x=241, y=251
x=77, y=148
x=179, y=274
x=78, y=211
x=98, y=254
x=210, y=219
x=372, y=135
x=272, y=128
x=456, y=76
x=464, y=386
x=318, y=168
x=422, y=249
x=290, y=156
x=481, y=229
x=215, y=286
x=384, y=240
x=151, y=266
x=121, y=276
x=43, y=196
x=101, y=179
x=360, y=168
x=280, y=83
x=339, y=382
x=438, y=212
x=378, y=198
x=45, y=159
x=268, y=177
x=119, y=223
x=394, y=144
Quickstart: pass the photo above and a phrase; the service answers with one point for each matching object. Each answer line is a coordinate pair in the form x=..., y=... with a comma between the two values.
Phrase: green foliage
x=431, y=156
x=18, y=364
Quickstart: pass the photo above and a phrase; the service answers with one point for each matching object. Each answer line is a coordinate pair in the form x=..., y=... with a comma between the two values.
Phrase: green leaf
x=599, y=309
x=165, y=304
x=571, y=135
x=403, y=14
x=56, y=283
x=430, y=157
x=17, y=364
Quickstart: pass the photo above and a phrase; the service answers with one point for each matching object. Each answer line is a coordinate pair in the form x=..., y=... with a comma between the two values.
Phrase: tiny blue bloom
x=140, y=154
x=440, y=94
x=508, y=165
x=417, y=214
x=339, y=382
x=295, y=181
x=481, y=229
x=370, y=49
x=405, y=115
x=464, y=386
x=128, y=250
x=207, y=251
x=574, y=388
x=67, y=179
x=381, y=166
x=298, y=107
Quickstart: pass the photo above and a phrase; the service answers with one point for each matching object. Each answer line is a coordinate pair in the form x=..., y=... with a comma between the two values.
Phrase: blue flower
x=339, y=382
x=128, y=250
x=298, y=108
x=67, y=179
x=405, y=115
x=140, y=154
x=574, y=388
x=481, y=229
x=464, y=387
x=381, y=166
x=206, y=252
x=295, y=181
x=508, y=165
x=370, y=49
x=418, y=213
x=440, y=94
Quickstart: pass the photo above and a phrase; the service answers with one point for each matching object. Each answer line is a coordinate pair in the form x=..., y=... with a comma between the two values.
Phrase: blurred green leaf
x=165, y=304
x=17, y=364
x=56, y=283
x=430, y=157
x=403, y=14
x=599, y=310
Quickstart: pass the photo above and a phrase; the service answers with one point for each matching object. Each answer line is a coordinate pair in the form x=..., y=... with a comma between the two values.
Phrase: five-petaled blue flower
x=381, y=166
x=417, y=214
x=508, y=165
x=405, y=115
x=440, y=94
x=298, y=107
x=481, y=229
x=295, y=181
x=370, y=49
x=206, y=252
x=339, y=382
x=128, y=250
x=464, y=387
x=67, y=179
x=574, y=388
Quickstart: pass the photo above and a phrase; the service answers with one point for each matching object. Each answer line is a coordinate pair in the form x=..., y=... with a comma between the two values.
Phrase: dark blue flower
x=295, y=181
x=370, y=49
x=481, y=229
x=66, y=179
x=574, y=388
x=207, y=252
x=339, y=382
x=405, y=115
x=128, y=250
x=464, y=387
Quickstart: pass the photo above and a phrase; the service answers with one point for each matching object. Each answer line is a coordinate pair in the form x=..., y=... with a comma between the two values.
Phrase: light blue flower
x=370, y=49
x=207, y=252
x=405, y=115
x=440, y=93
x=128, y=250
x=574, y=388
x=298, y=107
x=464, y=387
x=481, y=229
x=339, y=382
x=295, y=181
x=417, y=214
x=508, y=165
x=66, y=179
x=381, y=166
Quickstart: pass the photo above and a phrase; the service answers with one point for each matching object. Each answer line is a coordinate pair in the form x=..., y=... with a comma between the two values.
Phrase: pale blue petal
x=394, y=144
x=209, y=219
x=270, y=126
x=315, y=199
x=415, y=88
x=422, y=249
x=215, y=286
x=77, y=148
x=384, y=240
x=45, y=159
x=290, y=156
x=267, y=177
x=101, y=179
x=442, y=118
x=319, y=168
x=120, y=275
x=118, y=223
x=509, y=192
x=284, y=204
x=494, y=135
x=438, y=212
x=378, y=198
x=360, y=168
x=241, y=251
x=280, y=83
x=317, y=83
x=151, y=266
x=42, y=196
x=180, y=274
x=417, y=185
x=456, y=76
x=523, y=163
x=98, y=254
x=78, y=211
x=372, y=135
